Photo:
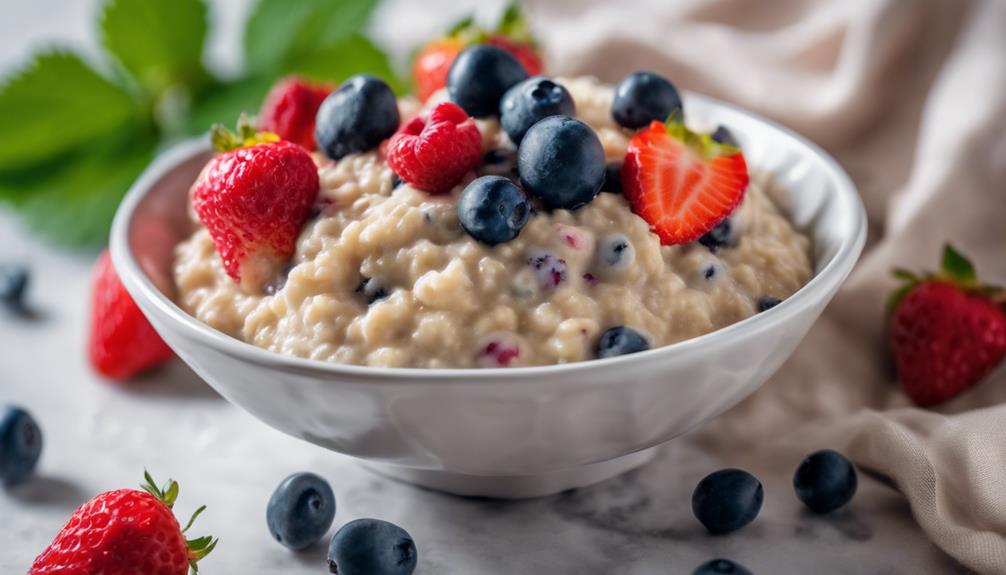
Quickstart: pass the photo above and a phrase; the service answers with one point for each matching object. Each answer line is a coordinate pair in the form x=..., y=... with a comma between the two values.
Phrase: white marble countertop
x=100, y=437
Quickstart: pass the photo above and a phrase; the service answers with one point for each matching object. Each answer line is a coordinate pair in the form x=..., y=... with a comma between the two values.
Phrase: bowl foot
x=513, y=486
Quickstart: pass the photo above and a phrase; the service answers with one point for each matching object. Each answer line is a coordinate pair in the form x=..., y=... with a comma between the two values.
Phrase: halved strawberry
x=680, y=182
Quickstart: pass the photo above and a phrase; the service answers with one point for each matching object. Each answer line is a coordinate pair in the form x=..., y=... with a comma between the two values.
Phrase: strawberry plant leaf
x=957, y=267
x=159, y=43
x=55, y=104
x=327, y=63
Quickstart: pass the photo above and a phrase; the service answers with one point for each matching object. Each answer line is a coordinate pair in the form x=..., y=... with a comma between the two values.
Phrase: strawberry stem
x=702, y=144
x=956, y=269
x=168, y=493
x=225, y=140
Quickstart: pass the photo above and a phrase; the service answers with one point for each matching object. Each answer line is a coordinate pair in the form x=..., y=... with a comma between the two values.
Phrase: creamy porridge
x=384, y=275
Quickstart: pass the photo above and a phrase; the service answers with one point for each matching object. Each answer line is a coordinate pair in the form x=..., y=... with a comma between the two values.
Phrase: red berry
x=429, y=70
x=682, y=183
x=945, y=340
x=122, y=342
x=290, y=108
x=524, y=53
x=433, y=153
x=254, y=201
x=123, y=532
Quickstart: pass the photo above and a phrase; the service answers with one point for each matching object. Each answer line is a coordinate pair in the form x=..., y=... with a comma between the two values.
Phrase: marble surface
x=100, y=437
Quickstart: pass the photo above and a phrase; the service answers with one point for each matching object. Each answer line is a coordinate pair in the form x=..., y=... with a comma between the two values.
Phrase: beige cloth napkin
x=910, y=96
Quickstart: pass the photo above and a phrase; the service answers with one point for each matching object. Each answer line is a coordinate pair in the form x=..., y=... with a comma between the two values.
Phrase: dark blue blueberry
x=493, y=210
x=725, y=136
x=479, y=77
x=496, y=156
x=721, y=567
x=767, y=302
x=825, y=481
x=615, y=252
x=612, y=178
x=20, y=445
x=372, y=290
x=372, y=547
x=396, y=181
x=301, y=510
x=356, y=117
x=710, y=272
x=620, y=340
x=13, y=284
x=643, y=97
x=532, y=100
x=727, y=500
x=719, y=237
x=561, y=161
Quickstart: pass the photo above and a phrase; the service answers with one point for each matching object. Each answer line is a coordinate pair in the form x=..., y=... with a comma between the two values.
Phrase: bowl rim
x=142, y=288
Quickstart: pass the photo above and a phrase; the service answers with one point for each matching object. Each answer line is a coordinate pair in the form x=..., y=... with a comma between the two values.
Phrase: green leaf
x=72, y=200
x=55, y=104
x=905, y=275
x=159, y=42
x=957, y=267
x=329, y=63
x=514, y=25
x=279, y=31
x=225, y=103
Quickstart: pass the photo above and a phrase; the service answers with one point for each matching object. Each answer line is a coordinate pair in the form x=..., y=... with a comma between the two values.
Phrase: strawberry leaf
x=513, y=25
x=957, y=267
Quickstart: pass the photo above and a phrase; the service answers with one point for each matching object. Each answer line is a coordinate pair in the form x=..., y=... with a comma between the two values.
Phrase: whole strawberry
x=435, y=151
x=125, y=532
x=947, y=330
x=122, y=341
x=290, y=108
x=254, y=199
x=429, y=70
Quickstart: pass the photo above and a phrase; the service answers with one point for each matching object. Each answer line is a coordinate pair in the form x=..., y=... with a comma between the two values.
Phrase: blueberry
x=372, y=290
x=620, y=340
x=493, y=210
x=549, y=269
x=301, y=510
x=532, y=100
x=396, y=181
x=724, y=136
x=719, y=237
x=356, y=117
x=720, y=567
x=612, y=178
x=615, y=252
x=825, y=481
x=479, y=77
x=561, y=161
x=372, y=547
x=13, y=284
x=767, y=302
x=643, y=97
x=496, y=156
x=727, y=500
x=20, y=445
x=710, y=272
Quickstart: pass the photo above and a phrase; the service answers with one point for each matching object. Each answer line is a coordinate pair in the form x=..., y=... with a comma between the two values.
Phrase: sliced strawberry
x=680, y=182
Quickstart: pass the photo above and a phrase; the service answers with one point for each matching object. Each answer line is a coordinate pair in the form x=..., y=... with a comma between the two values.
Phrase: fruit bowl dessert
x=515, y=287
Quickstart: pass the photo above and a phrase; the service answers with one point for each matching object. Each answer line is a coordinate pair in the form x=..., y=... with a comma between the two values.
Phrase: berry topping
x=13, y=285
x=20, y=445
x=125, y=532
x=615, y=252
x=767, y=302
x=480, y=76
x=720, y=236
x=122, y=342
x=497, y=156
x=372, y=547
x=429, y=70
x=682, y=183
x=434, y=152
x=253, y=200
x=727, y=500
x=612, y=178
x=720, y=567
x=500, y=351
x=561, y=161
x=620, y=340
x=372, y=290
x=396, y=181
x=644, y=97
x=356, y=117
x=549, y=270
x=300, y=510
x=290, y=108
x=825, y=481
x=722, y=135
x=532, y=100
x=493, y=210
x=948, y=331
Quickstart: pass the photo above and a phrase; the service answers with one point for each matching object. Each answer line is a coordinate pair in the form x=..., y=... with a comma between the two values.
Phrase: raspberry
x=434, y=152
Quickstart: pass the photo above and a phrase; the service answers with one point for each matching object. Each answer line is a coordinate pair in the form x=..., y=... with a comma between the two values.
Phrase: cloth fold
x=910, y=96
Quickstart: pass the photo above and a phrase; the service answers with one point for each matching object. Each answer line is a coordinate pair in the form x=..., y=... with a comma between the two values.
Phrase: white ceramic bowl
x=503, y=432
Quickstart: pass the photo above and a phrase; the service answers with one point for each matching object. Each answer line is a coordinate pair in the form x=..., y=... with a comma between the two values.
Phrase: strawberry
x=947, y=330
x=434, y=152
x=429, y=70
x=253, y=199
x=125, y=532
x=122, y=342
x=682, y=183
x=290, y=108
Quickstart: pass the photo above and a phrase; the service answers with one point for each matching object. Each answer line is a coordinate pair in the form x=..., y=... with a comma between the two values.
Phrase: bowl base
x=513, y=486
